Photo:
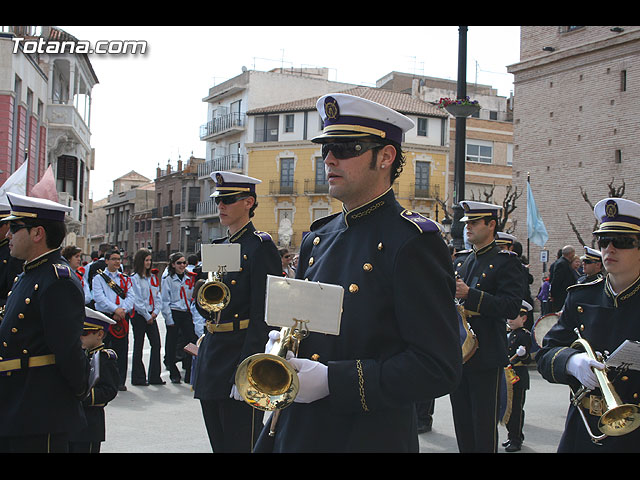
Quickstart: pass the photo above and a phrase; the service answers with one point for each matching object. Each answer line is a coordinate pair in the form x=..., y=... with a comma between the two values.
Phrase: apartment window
x=266, y=128
x=321, y=178
x=618, y=158
x=67, y=175
x=286, y=175
x=319, y=213
x=423, y=124
x=479, y=152
x=422, y=179
x=288, y=123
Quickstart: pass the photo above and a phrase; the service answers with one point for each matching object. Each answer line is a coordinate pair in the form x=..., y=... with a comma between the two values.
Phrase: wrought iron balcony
x=220, y=125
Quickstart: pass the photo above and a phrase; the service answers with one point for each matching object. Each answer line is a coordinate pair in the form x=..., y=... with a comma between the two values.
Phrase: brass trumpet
x=214, y=296
x=268, y=382
x=619, y=418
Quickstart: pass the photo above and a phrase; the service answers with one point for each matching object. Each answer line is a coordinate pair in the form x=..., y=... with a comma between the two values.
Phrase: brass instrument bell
x=618, y=418
x=214, y=295
x=267, y=381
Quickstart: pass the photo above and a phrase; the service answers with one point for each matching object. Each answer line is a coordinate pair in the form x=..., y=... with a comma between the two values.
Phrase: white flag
x=16, y=183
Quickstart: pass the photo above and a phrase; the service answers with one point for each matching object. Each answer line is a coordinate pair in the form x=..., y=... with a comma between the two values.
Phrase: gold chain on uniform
x=361, y=386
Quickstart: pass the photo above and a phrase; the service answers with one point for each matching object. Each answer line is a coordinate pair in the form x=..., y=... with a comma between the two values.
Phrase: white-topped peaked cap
x=475, y=210
x=95, y=320
x=230, y=183
x=32, y=207
x=591, y=254
x=617, y=215
x=526, y=307
x=503, y=238
x=347, y=116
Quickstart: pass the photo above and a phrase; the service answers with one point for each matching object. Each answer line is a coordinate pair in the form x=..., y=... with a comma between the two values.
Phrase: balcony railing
x=223, y=124
x=424, y=191
x=225, y=163
x=311, y=187
x=278, y=188
x=208, y=208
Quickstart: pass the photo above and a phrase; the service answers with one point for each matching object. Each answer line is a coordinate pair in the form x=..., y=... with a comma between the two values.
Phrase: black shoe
x=175, y=380
x=157, y=382
x=122, y=388
x=504, y=444
x=141, y=384
x=513, y=447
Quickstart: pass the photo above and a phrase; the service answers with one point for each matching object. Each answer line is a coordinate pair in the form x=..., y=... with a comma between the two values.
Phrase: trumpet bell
x=620, y=420
x=213, y=296
x=267, y=382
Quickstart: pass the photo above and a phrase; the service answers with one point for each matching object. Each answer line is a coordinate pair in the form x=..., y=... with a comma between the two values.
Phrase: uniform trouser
x=140, y=329
x=425, y=412
x=475, y=411
x=44, y=443
x=84, y=447
x=232, y=425
x=183, y=323
x=516, y=419
x=121, y=347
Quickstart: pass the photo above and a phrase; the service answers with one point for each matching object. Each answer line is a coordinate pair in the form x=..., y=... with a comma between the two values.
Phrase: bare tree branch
x=575, y=230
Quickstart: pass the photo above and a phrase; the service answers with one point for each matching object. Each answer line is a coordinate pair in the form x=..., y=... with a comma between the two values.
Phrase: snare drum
x=543, y=325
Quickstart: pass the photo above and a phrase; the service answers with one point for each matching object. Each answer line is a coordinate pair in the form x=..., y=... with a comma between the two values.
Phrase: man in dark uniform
x=89, y=439
x=398, y=341
x=591, y=265
x=519, y=351
x=10, y=266
x=233, y=425
x=506, y=241
x=43, y=369
x=490, y=284
x=605, y=313
x=562, y=277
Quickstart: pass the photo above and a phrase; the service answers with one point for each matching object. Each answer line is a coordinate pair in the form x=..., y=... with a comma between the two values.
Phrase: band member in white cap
x=233, y=425
x=105, y=389
x=591, y=265
x=43, y=369
x=490, y=285
x=604, y=313
x=398, y=341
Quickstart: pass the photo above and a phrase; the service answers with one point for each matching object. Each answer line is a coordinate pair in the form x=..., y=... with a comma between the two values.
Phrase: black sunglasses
x=344, y=150
x=16, y=227
x=623, y=243
x=229, y=199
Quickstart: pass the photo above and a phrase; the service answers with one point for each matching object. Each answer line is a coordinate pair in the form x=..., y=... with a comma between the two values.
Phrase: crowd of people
x=418, y=319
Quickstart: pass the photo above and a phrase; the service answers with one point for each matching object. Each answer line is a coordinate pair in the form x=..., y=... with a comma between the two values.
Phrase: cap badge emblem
x=611, y=209
x=331, y=108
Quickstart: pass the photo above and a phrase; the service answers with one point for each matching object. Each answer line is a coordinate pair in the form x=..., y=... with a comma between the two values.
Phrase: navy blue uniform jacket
x=605, y=320
x=44, y=315
x=398, y=341
x=220, y=353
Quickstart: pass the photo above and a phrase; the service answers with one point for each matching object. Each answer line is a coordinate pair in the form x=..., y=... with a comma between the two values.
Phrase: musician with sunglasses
x=398, y=342
x=605, y=313
x=44, y=371
x=591, y=265
x=233, y=425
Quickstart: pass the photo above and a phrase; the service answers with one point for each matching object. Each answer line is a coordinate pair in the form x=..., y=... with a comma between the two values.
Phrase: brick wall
x=570, y=118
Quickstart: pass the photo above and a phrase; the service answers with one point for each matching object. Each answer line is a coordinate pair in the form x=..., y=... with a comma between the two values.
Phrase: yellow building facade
x=294, y=192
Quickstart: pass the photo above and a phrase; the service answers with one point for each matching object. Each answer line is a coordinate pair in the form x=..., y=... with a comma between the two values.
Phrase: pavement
x=167, y=419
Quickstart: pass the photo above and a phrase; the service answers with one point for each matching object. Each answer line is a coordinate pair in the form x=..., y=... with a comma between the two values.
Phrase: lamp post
x=457, y=233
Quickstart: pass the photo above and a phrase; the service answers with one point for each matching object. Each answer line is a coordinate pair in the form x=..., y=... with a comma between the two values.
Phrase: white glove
x=579, y=365
x=274, y=336
x=313, y=377
x=521, y=351
x=235, y=394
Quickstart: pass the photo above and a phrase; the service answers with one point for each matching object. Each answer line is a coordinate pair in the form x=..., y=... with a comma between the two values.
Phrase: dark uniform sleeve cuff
x=353, y=385
x=473, y=301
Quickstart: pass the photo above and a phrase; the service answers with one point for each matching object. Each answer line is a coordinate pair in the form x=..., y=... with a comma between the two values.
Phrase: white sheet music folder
x=626, y=355
x=218, y=255
x=320, y=304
